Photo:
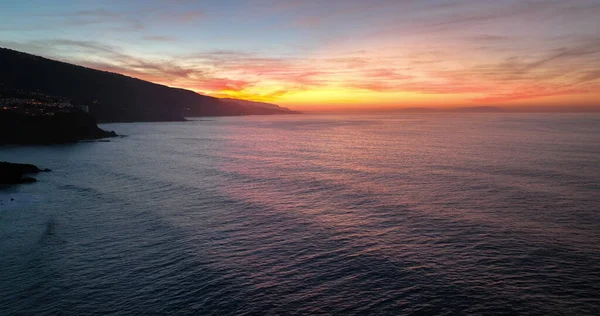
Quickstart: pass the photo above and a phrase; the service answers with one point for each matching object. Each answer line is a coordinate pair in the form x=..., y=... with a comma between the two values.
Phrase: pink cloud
x=220, y=84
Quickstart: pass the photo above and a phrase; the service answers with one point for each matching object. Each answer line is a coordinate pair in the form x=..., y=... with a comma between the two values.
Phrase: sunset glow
x=312, y=55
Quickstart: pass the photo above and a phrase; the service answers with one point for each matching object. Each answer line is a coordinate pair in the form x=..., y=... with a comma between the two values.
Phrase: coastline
x=55, y=128
x=18, y=173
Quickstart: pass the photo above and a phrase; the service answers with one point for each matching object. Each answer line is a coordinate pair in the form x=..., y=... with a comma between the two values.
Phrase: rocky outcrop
x=16, y=173
x=57, y=128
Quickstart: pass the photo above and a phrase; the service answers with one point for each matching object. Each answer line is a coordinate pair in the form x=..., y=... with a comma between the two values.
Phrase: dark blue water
x=347, y=215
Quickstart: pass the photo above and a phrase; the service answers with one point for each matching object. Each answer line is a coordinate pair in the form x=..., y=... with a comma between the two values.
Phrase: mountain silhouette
x=113, y=97
x=254, y=104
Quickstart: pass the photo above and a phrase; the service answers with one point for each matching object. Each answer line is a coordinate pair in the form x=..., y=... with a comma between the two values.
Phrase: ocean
x=389, y=214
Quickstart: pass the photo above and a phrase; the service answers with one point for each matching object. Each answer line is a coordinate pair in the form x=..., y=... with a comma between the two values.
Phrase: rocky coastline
x=58, y=128
x=17, y=173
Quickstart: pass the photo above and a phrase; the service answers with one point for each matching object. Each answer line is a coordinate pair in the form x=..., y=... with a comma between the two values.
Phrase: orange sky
x=314, y=55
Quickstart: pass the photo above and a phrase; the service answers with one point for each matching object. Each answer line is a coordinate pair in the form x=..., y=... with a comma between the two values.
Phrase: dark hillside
x=111, y=97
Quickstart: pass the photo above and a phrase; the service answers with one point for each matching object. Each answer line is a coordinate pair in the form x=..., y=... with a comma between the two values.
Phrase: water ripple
x=308, y=215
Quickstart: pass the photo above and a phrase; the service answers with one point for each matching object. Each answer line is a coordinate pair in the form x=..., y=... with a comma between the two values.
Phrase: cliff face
x=110, y=97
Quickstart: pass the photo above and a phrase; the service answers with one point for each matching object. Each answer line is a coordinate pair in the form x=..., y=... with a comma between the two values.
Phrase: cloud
x=463, y=47
x=98, y=17
x=252, y=76
x=530, y=93
x=129, y=21
x=181, y=72
x=518, y=77
x=488, y=38
x=159, y=38
x=350, y=62
x=245, y=95
x=190, y=16
x=94, y=13
x=110, y=58
x=562, y=54
x=222, y=84
x=589, y=76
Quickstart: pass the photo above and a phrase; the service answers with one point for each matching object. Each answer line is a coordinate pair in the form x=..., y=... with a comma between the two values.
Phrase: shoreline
x=18, y=173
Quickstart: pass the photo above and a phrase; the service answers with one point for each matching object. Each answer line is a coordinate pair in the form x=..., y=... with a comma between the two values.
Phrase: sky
x=316, y=54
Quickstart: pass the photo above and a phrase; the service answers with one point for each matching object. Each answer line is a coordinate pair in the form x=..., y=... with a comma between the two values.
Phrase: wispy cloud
x=123, y=20
x=94, y=17
x=477, y=51
x=159, y=38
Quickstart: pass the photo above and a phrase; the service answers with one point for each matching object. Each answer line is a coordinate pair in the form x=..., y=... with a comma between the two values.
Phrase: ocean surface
x=436, y=214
